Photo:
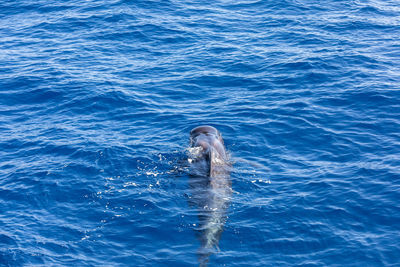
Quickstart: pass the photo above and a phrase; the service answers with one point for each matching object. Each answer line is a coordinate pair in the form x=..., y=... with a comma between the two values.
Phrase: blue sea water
x=97, y=99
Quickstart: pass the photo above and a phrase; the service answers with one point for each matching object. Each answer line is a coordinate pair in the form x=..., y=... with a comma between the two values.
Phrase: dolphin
x=210, y=186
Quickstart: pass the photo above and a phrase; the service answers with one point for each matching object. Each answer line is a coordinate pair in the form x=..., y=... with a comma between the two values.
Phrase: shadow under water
x=211, y=194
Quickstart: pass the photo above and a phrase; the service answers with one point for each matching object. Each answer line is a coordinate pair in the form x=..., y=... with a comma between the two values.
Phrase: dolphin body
x=210, y=186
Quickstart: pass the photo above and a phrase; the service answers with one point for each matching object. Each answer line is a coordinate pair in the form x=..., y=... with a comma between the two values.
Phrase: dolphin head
x=201, y=132
x=207, y=137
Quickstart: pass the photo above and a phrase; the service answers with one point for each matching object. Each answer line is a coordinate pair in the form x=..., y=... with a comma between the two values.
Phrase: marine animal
x=210, y=187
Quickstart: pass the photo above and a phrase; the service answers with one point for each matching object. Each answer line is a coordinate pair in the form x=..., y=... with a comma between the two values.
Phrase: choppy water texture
x=97, y=99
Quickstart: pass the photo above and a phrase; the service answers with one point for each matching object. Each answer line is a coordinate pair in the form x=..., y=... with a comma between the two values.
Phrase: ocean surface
x=97, y=100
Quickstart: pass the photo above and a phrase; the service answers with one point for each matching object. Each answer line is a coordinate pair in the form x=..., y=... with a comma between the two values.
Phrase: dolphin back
x=213, y=214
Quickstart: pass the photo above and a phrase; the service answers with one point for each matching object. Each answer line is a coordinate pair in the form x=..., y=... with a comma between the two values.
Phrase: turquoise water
x=97, y=99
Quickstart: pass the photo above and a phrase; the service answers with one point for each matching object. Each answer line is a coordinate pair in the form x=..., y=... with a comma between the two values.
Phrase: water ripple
x=97, y=100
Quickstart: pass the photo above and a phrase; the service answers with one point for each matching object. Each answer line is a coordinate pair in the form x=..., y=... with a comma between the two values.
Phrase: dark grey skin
x=210, y=186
